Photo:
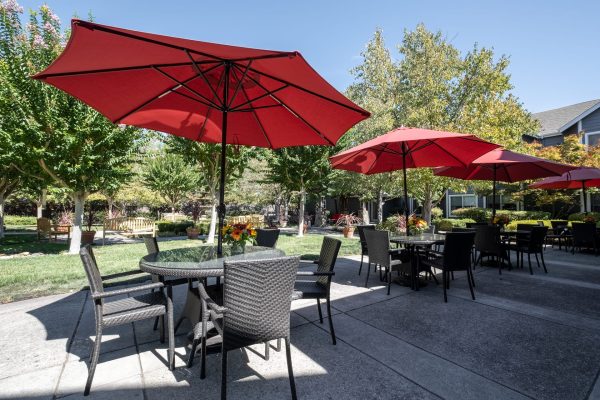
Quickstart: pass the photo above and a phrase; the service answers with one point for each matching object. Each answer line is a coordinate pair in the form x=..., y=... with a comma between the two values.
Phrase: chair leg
x=444, y=273
x=288, y=355
x=330, y=321
x=320, y=312
x=529, y=261
x=93, y=359
x=162, y=328
x=267, y=352
x=452, y=274
x=469, y=278
x=279, y=344
x=499, y=264
x=190, y=361
x=388, y=274
x=202, y=356
x=361, y=263
x=368, y=271
x=171, y=332
x=155, y=327
x=543, y=262
x=223, y=373
x=537, y=260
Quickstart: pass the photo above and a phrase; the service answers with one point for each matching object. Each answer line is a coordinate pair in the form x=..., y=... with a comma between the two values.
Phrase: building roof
x=553, y=122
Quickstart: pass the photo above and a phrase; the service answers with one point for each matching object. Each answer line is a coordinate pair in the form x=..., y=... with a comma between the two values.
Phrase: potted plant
x=349, y=222
x=87, y=236
x=193, y=231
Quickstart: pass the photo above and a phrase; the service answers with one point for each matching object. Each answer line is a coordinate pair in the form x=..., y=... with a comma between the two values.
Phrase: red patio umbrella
x=201, y=91
x=405, y=148
x=580, y=178
x=506, y=166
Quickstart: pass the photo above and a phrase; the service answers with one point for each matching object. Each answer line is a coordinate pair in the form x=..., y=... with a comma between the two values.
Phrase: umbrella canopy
x=405, y=148
x=506, y=166
x=201, y=91
x=580, y=178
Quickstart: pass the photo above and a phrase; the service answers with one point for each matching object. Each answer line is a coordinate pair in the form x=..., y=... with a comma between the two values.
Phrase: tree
x=171, y=177
x=438, y=88
x=62, y=139
x=206, y=157
x=300, y=169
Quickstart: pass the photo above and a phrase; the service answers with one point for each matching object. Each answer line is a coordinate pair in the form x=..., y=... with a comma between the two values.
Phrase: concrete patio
x=524, y=337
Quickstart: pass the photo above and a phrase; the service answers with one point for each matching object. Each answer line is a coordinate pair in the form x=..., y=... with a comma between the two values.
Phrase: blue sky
x=553, y=45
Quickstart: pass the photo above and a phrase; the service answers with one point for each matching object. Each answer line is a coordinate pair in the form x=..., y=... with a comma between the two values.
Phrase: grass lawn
x=56, y=272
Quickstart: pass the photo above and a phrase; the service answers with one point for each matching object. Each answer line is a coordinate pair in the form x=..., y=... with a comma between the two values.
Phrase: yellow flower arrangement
x=238, y=234
x=416, y=225
x=501, y=219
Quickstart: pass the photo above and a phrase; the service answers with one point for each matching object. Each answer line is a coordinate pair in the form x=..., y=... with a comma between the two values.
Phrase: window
x=502, y=202
x=593, y=139
x=461, y=201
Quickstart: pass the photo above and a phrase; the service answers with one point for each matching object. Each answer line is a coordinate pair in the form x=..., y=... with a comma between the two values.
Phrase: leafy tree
x=301, y=170
x=206, y=157
x=62, y=139
x=171, y=177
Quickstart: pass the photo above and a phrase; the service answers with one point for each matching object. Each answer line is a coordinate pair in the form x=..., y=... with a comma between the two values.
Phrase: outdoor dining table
x=411, y=242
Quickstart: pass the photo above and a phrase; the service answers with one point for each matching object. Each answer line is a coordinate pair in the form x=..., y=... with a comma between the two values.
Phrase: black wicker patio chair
x=456, y=256
x=256, y=309
x=533, y=243
x=124, y=311
x=267, y=237
x=320, y=288
x=584, y=235
x=558, y=233
x=364, y=251
x=378, y=243
x=488, y=243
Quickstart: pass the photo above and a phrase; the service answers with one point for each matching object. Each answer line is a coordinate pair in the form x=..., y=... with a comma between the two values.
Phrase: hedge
x=178, y=227
x=19, y=220
x=579, y=216
x=485, y=214
x=446, y=224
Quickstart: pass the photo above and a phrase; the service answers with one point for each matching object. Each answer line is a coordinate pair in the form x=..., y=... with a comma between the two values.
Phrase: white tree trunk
x=301, y=212
x=110, y=207
x=320, y=218
x=79, y=200
x=213, y=218
x=1, y=215
x=364, y=212
x=380, y=206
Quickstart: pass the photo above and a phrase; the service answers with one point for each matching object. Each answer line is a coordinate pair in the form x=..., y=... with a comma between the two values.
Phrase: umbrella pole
x=405, y=192
x=584, y=197
x=223, y=155
x=494, y=196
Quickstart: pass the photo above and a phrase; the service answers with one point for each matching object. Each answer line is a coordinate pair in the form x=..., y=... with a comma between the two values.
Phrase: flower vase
x=238, y=247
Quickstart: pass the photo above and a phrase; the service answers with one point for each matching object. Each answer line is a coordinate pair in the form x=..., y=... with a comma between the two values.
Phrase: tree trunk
x=79, y=200
x=1, y=215
x=364, y=212
x=111, y=203
x=213, y=218
x=301, y=212
x=380, y=206
x=173, y=213
x=427, y=206
x=278, y=208
x=285, y=212
x=320, y=217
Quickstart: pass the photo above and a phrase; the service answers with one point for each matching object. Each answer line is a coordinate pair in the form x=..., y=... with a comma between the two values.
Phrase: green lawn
x=56, y=272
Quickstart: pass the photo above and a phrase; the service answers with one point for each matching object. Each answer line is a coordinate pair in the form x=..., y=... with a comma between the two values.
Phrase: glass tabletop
x=424, y=238
x=201, y=260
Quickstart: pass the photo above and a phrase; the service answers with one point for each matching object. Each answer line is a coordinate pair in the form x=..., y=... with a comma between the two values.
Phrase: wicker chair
x=256, y=309
x=531, y=244
x=380, y=254
x=320, y=288
x=364, y=251
x=267, y=237
x=488, y=243
x=125, y=311
x=455, y=257
x=584, y=235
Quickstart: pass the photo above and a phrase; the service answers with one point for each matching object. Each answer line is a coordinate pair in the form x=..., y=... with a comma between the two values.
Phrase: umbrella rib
x=361, y=111
x=280, y=54
x=203, y=76
x=236, y=108
x=291, y=110
x=262, y=128
x=447, y=152
x=202, y=130
x=257, y=108
x=185, y=85
x=239, y=85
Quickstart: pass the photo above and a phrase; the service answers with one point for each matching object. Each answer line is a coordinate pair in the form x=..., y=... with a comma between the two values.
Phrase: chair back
x=559, y=226
x=91, y=268
x=537, y=238
x=474, y=224
x=329, y=252
x=267, y=237
x=457, y=250
x=257, y=295
x=361, y=235
x=583, y=233
x=525, y=227
x=151, y=245
x=457, y=229
x=487, y=239
x=378, y=243
x=44, y=225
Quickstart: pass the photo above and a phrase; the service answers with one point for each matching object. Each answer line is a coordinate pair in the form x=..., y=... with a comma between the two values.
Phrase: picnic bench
x=129, y=226
x=47, y=229
x=257, y=220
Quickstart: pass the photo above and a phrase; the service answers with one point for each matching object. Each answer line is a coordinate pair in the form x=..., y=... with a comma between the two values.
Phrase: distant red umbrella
x=201, y=91
x=506, y=166
x=405, y=148
x=580, y=178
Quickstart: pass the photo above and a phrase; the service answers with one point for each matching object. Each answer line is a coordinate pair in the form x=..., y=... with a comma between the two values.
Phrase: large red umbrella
x=405, y=148
x=505, y=166
x=201, y=91
x=580, y=178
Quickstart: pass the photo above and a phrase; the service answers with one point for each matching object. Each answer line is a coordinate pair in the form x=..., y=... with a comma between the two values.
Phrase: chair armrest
x=122, y=274
x=102, y=295
x=315, y=273
x=210, y=302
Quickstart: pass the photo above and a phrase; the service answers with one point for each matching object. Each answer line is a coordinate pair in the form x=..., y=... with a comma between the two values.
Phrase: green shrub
x=19, y=220
x=446, y=224
x=485, y=214
x=475, y=213
x=177, y=227
x=436, y=213
x=577, y=216
x=393, y=223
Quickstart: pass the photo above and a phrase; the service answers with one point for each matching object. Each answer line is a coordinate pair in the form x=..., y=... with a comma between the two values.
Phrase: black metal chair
x=256, y=309
x=456, y=256
x=585, y=235
x=364, y=251
x=488, y=243
x=558, y=233
x=378, y=243
x=125, y=311
x=267, y=237
x=320, y=288
x=533, y=243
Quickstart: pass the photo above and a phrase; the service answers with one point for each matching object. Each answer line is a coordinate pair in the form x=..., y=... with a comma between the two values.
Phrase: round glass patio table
x=410, y=242
x=201, y=261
